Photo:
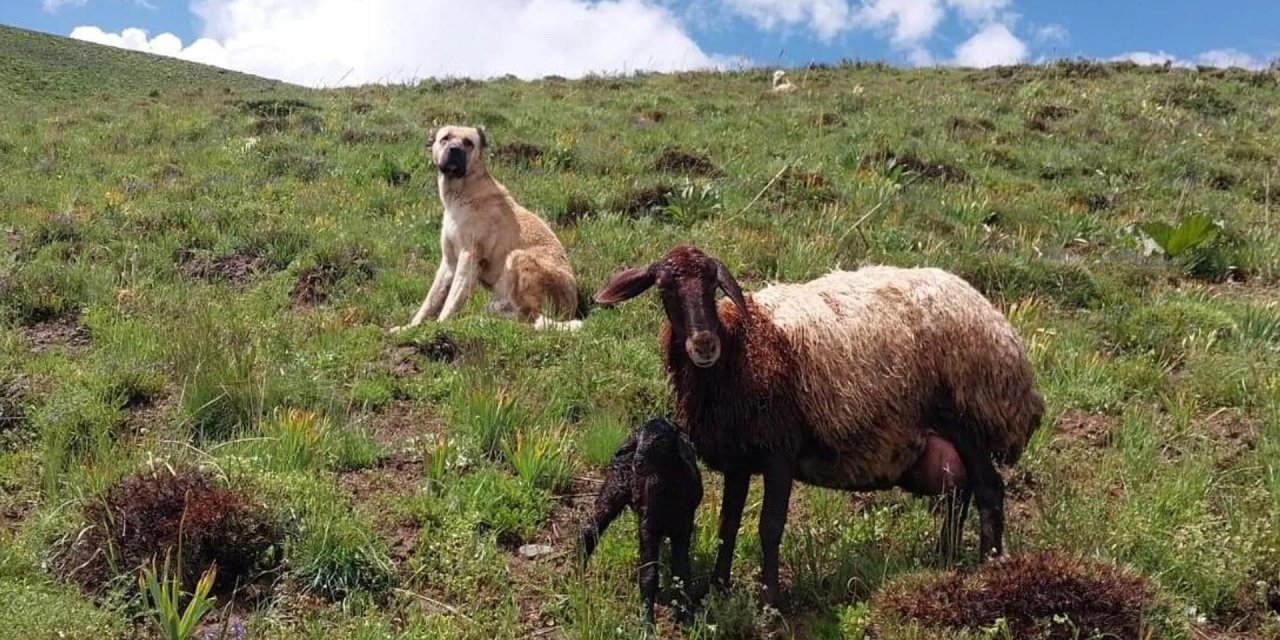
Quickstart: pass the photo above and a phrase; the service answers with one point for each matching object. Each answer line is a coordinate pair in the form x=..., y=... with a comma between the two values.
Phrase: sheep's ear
x=730, y=286
x=625, y=285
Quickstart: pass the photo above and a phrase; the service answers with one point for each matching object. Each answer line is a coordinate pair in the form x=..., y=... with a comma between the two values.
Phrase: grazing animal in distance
x=655, y=473
x=857, y=380
x=488, y=238
x=780, y=82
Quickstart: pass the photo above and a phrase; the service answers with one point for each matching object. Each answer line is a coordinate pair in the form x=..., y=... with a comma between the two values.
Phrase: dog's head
x=458, y=151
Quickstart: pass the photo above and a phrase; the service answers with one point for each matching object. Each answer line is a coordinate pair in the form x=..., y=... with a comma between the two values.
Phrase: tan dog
x=488, y=238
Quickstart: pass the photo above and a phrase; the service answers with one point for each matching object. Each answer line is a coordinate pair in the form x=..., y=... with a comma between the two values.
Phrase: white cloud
x=993, y=45
x=1222, y=58
x=979, y=10
x=1229, y=58
x=52, y=6
x=328, y=42
x=826, y=18
x=1052, y=34
x=911, y=20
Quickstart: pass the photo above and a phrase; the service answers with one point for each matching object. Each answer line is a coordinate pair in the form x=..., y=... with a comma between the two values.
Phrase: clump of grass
x=156, y=512
x=541, y=459
x=500, y=504
x=1012, y=278
x=295, y=438
x=489, y=418
x=43, y=290
x=1170, y=327
x=337, y=555
x=601, y=439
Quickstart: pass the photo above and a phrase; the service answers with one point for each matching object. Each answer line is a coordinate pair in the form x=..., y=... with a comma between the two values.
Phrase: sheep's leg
x=988, y=494
x=731, y=505
x=680, y=543
x=956, y=503
x=650, y=541
x=773, y=519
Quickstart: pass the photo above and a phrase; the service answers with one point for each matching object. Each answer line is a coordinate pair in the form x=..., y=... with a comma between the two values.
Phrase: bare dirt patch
x=675, y=160
x=375, y=490
x=236, y=268
x=560, y=533
x=962, y=127
x=1233, y=435
x=517, y=153
x=1092, y=429
x=58, y=332
x=927, y=169
x=1028, y=591
x=402, y=424
x=643, y=201
x=1022, y=496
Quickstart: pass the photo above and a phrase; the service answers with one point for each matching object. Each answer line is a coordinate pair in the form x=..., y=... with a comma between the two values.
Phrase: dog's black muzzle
x=453, y=164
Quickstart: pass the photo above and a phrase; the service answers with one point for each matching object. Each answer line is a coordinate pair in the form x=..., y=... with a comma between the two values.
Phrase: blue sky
x=325, y=42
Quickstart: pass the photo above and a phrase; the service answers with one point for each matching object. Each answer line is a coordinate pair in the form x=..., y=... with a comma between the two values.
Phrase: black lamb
x=655, y=473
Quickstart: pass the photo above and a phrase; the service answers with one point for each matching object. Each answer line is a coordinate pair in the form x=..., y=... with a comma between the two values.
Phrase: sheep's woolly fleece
x=882, y=354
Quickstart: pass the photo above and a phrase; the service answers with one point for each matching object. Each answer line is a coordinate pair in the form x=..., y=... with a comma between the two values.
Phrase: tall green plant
x=164, y=590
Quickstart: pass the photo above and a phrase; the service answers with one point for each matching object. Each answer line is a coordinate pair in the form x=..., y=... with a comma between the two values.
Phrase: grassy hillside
x=37, y=65
x=201, y=280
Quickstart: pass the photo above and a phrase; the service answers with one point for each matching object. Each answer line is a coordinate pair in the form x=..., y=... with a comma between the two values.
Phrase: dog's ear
x=730, y=286
x=625, y=285
x=484, y=142
x=431, y=138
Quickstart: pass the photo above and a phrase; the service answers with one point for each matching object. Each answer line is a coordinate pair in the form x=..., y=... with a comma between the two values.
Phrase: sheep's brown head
x=687, y=280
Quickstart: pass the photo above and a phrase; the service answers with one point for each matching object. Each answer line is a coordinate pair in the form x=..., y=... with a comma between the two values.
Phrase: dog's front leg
x=432, y=304
x=464, y=280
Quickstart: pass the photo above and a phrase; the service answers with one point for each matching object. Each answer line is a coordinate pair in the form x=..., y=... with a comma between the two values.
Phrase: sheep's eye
x=466, y=142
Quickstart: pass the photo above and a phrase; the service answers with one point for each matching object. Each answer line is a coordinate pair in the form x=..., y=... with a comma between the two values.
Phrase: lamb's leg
x=956, y=504
x=607, y=508
x=988, y=494
x=650, y=541
x=680, y=542
x=731, y=505
x=773, y=520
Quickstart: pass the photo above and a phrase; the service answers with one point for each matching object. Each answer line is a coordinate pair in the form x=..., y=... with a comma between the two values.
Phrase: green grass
x=199, y=267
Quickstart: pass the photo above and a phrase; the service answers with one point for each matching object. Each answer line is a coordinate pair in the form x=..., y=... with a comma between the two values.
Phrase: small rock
x=533, y=551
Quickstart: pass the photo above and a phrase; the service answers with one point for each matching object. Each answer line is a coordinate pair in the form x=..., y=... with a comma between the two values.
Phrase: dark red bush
x=1028, y=591
x=146, y=515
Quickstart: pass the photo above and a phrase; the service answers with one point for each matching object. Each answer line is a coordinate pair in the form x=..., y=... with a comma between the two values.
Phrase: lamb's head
x=660, y=447
x=687, y=280
x=778, y=77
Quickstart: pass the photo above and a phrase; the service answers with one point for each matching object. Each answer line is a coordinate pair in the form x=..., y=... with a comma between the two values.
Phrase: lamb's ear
x=730, y=286
x=484, y=142
x=687, y=455
x=625, y=285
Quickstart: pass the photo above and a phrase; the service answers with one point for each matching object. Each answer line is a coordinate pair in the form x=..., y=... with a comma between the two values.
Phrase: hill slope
x=38, y=65
x=204, y=280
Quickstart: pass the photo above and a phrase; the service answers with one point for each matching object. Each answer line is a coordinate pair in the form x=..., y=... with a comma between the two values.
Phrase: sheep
x=780, y=82
x=655, y=472
x=857, y=380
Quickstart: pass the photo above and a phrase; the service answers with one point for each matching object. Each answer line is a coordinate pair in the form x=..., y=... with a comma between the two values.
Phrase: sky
x=344, y=42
